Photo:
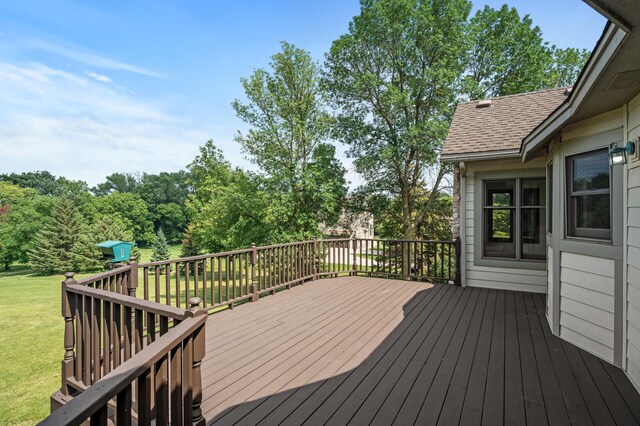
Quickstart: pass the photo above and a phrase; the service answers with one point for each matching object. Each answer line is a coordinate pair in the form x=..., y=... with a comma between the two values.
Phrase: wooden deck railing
x=131, y=356
x=160, y=384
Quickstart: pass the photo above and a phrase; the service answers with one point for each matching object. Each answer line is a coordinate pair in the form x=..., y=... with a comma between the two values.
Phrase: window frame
x=517, y=209
x=571, y=229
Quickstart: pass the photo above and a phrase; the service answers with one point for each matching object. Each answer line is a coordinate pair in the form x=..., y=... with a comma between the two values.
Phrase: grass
x=30, y=344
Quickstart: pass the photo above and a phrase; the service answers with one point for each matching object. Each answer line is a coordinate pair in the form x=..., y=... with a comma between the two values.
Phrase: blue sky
x=90, y=88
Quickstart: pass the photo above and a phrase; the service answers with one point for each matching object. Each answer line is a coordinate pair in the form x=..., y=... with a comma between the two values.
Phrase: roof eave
x=534, y=143
x=478, y=156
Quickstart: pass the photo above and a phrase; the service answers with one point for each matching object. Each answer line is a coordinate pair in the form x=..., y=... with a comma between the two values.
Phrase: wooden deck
x=372, y=351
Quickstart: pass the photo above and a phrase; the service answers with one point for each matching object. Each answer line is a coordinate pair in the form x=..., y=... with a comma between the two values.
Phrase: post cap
x=194, y=302
x=69, y=274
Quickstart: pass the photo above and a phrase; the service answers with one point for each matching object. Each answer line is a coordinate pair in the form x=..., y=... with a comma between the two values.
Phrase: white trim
x=609, y=14
x=601, y=56
x=471, y=156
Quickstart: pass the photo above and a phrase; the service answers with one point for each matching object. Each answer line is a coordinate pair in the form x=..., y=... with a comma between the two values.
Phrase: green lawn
x=30, y=344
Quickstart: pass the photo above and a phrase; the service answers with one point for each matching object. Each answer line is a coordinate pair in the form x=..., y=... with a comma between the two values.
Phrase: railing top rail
x=295, y=243
x=194, y=258
x=409, y=241
x=131, y=302
x=336, y=239
x=103, y=275
x=76, y=411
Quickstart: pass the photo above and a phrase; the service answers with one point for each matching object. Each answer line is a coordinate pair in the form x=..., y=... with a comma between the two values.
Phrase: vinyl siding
x=587, y=303
x=633, y=252
x=511, y=278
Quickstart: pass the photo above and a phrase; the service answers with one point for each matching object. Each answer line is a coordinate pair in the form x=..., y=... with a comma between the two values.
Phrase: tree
x=393, y=80
x=172, y=217
x=160, y=247
x=46, y=183
x=22, y=213
x=287, y=140
x=120, y=182
x=506, y=54
x=53, y=247
x=189, y=246
x=228, y=206
x=565, y=67
x=132, y=211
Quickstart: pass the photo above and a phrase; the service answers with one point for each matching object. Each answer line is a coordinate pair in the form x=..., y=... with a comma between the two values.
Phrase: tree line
x=387, y=89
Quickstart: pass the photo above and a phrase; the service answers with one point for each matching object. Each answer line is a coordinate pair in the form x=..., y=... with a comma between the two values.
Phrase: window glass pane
x=499, y=232
x=533, y=192
x=593, y=211
x=591, y=171
x=533, y=229
x=500, y=193
x=501, y=225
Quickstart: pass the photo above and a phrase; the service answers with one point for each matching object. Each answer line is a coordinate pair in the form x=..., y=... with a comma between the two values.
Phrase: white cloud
x=99, y=77
x=77, y=127
x=87, y=57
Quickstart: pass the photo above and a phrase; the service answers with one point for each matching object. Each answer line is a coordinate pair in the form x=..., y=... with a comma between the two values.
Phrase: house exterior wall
x=632, y=252
x=499, y=274
x=585, y=275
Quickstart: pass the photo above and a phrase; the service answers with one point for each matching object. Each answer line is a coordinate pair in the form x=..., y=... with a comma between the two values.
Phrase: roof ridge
x=519, y=94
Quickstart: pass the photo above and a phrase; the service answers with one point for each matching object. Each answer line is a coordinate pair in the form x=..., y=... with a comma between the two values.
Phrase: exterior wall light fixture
x=618, y=154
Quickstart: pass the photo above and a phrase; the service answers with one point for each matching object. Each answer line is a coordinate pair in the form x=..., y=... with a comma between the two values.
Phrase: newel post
x=199, y=351
x=255, y=296
x=314, y=257
x=133, y=277
x=68, y=313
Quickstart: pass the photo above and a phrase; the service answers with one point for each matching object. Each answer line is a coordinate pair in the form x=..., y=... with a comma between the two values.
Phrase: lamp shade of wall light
x=619, y=154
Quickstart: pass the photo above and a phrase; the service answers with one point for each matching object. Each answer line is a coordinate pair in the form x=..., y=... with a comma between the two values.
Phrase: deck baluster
x=69, y=341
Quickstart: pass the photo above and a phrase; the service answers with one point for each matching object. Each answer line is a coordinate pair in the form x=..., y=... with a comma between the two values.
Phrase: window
x=589, y=195
x=514, y=218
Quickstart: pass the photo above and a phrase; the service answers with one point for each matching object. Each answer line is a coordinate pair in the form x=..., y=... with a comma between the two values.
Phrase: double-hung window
x=514, y=218
x=589, y=195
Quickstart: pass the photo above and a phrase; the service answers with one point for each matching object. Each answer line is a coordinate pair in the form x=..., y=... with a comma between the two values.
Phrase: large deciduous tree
x=392, y=79
x=287, y=140
x=227, y=207
x=565, y=66
x=506, y=54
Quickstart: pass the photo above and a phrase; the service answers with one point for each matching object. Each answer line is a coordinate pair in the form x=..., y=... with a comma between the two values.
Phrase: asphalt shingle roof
x=503, y=125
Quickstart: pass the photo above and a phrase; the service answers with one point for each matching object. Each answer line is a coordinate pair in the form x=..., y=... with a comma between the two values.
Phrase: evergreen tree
x=189, y=244
x=160, y=247
x=55, y=245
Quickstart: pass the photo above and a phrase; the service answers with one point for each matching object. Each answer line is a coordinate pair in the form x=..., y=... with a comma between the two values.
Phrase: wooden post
x=314, y=254
x=457, y=279
x=199, y=351
x=255, y=296
x=133, y=277
x=68, y=313
x=355, y=264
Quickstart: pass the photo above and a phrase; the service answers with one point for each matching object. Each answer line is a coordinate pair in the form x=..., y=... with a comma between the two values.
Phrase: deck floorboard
x=358, y=350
